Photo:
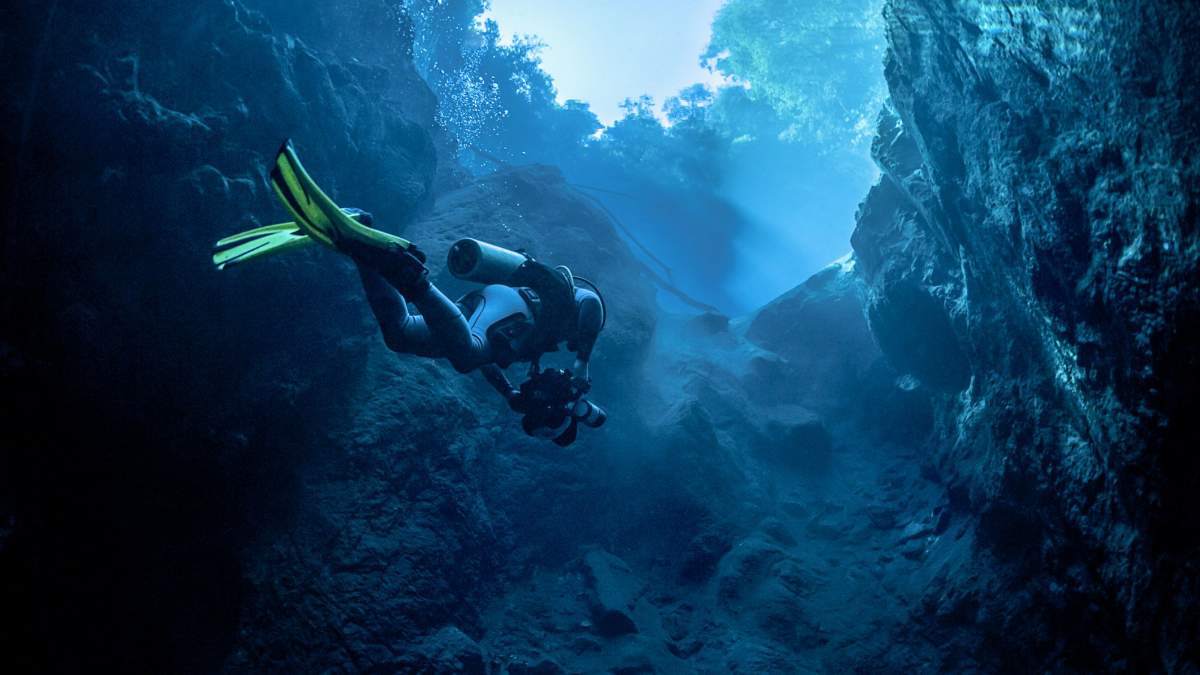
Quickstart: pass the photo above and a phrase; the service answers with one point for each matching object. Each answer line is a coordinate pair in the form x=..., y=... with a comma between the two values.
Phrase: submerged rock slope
x=1031, y=253
x=408, y=507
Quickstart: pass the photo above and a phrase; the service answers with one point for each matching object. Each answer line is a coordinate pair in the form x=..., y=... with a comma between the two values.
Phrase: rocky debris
x=450, y=651
x=795, y=438
x=743, y=568
x=543, y=667
x=702, y=555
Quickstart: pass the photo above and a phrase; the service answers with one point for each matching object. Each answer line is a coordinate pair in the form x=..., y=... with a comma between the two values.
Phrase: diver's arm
x=496, y=378
x=580, y=369
x=590, y=321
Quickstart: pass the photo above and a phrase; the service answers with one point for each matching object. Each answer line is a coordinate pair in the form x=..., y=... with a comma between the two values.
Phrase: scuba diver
x=523, y=310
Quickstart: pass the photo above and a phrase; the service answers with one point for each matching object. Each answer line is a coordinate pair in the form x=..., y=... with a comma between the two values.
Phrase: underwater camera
x=553, y=404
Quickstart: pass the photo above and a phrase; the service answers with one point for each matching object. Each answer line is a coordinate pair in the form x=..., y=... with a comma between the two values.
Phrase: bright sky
x=604, y=52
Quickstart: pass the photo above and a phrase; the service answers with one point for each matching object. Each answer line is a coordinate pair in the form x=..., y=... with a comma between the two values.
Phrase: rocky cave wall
x=152, y=417
x=1031, y=254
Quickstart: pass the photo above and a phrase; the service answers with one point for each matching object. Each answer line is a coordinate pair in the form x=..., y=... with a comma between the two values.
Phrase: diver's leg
x=402, y=332
x=449, y=328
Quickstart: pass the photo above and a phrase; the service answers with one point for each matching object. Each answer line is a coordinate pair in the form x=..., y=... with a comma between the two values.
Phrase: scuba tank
x=483, y=263
x=549, y=291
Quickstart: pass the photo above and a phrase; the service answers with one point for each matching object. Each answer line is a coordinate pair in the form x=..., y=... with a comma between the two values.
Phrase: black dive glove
x=516, y=402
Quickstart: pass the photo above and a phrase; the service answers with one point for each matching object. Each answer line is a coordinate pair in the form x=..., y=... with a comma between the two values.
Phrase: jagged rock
x=743, y=568
x=778, y=531
x=703, y=554
x=451, y=650
x=584, y=645
x=543, y=667
x=882, y=517
x=823, y=356
x=795, y=438
x=916, y=529
x=1033, y=250
x=634, y=664
x=819, y=329
x=913, y=549
x=613, y=593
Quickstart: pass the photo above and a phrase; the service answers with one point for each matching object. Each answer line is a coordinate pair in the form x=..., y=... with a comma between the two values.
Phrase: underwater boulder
x=743, y=568
x=794, y=438
x=820, y=333
x=613, y=591
x=451, y=651
x=704, y=553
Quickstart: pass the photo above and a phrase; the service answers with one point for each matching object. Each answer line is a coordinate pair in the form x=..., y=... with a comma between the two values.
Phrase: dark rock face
x=157, y=422
x=613, y=593
x=1031, y=253
x=796, y=327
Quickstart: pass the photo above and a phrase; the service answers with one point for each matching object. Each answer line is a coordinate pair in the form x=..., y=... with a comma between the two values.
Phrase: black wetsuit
x=491, y=326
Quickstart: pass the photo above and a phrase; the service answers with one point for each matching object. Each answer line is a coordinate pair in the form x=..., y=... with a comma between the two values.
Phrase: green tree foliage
x=760, y=169
x=690, y=106
x=815, y=63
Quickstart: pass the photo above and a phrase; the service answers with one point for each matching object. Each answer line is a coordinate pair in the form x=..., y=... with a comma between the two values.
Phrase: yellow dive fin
x=257, y=243
x=256, y=233
x=315, y=213
x=261, y=241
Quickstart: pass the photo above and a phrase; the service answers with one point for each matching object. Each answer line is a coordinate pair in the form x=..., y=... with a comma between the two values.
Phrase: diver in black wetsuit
x=524, y=309
x=489, y=329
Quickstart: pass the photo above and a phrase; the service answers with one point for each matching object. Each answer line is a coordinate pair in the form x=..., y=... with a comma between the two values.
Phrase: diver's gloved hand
x=516, y=402
x=581, y=385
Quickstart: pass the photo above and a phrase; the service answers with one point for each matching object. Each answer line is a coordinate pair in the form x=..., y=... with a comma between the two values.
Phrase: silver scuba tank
x=483, y=263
